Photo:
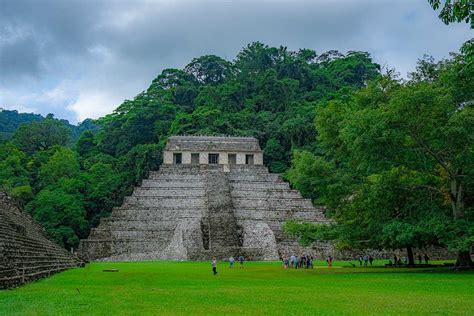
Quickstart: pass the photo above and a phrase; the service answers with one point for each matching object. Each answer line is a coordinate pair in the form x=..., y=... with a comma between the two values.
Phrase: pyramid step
x=259, y=185
x=164, y=201
x=253, y=177
x=173, y=184
x=270, y=203
x=168, y=192
x=266, y=194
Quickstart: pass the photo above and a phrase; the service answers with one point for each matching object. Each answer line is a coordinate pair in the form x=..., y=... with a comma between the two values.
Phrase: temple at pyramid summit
x=212, y=196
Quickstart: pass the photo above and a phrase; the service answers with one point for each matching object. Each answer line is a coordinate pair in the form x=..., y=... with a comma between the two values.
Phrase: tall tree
x=406, y=153
x=41, y=135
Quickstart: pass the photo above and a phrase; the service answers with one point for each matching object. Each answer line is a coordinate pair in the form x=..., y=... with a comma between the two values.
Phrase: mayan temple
x=211, y=197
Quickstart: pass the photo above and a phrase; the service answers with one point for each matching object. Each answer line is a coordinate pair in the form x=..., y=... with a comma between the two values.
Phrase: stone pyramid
x=189, y=211
x=26, y=253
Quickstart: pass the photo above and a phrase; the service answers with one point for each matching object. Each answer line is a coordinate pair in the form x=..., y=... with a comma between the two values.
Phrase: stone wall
x=26, y=253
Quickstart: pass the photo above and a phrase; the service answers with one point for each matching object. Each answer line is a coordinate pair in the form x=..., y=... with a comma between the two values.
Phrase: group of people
x=305, y=261
x=231, y=263
x=403, y=261
x=366, y=260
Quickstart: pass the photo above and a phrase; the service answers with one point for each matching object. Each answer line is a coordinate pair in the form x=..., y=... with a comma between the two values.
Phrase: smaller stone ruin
x=26, y=254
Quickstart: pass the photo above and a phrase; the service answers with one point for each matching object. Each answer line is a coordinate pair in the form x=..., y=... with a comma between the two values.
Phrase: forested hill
x=11, y=120
x=267, y=92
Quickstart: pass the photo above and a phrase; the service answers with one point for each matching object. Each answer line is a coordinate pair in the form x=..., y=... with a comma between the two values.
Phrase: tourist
x=329, y=261
x=420, y=260
x=426, y=258
x=296, y=262
x=371, y=259
x=214, y=265
x=303, y=261
x=292, y=260
x=395, y=260
x=360, y=261
x=285, y=263
x=241, y=260
x=231, y=262
x=366, y=259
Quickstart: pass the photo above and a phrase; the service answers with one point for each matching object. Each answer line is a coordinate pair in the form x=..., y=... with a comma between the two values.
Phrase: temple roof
x=212, y=143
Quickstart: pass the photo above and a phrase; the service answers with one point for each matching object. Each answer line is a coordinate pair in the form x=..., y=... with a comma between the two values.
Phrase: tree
x=62, y=214
x=406, y=155
x=273, y=155
x=455, y=11
x=63, y=164
x=42, y=135
x=104, y=188
x=13, y=171
x=86, y=144
x=209, y=69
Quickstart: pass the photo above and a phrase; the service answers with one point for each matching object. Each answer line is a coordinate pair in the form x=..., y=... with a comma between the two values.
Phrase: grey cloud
x=113, y=49
x=20, y=57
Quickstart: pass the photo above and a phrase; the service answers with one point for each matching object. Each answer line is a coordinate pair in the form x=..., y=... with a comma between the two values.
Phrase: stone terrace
x=26, y=253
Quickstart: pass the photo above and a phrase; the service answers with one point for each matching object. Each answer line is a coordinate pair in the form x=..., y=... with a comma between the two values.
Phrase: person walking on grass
x=329, y=260
x=426, y=258
x=366, y=259
x=371, y=259
x=420, y=261
x=292, y=260
x=285, y=263
x=214, y=265
x=231, y=262
x=241, y=260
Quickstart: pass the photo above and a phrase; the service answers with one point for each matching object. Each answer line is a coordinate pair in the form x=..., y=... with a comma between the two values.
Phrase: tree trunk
x=457, y=198
x=457, y=205
x=411, y=258
x=464, y=260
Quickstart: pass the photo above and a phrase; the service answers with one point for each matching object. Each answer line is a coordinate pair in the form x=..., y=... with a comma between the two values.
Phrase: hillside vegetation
x=10, y=121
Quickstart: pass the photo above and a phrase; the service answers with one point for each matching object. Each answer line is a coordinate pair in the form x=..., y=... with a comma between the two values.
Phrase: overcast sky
x=80, y=59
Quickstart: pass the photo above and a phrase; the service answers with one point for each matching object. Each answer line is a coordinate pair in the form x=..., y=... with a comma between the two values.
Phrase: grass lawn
x=189, y=288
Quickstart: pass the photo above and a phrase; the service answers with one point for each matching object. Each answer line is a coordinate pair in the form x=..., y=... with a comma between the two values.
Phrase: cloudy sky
x=80, y=59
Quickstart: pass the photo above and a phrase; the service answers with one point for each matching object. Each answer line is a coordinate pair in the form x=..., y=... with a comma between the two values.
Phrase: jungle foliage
x=394, y=162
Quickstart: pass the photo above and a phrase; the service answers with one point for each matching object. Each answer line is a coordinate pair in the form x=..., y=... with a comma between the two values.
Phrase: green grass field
x=189, y=288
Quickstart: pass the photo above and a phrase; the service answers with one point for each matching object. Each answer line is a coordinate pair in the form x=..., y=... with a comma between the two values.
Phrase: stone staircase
x=198, y=211
x=26, y=253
